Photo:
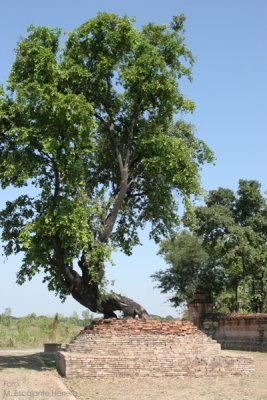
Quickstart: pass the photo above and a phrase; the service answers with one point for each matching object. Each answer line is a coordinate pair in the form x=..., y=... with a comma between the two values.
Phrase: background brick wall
x=237, y=331
x=233, y=331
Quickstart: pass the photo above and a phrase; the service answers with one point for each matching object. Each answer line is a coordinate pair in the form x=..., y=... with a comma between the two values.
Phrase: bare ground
x=23, y=376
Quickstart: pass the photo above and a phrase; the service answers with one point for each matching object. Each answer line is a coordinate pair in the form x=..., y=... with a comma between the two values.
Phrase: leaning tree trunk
x=86, y=290
x=107, y=304
x=130, y=308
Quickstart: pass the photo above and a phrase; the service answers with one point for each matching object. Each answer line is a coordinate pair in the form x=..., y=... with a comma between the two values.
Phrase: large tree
x=233, y=227
x=93, y=128
x=226, y=256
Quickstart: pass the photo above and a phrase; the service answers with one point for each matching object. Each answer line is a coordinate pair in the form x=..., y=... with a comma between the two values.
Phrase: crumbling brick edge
x=135, y=348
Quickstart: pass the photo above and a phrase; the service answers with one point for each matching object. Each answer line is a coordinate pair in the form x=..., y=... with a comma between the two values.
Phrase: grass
x=33, y=331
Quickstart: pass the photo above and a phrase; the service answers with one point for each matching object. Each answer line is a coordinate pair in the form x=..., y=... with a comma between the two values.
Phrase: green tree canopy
x=227, y=254
x=233, y=229
x=189, y=269
x=93, y=127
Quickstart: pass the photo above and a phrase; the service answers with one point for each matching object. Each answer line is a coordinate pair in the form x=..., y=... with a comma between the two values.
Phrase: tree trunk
x=85, y=288
x=107, y=304
x=129, y=308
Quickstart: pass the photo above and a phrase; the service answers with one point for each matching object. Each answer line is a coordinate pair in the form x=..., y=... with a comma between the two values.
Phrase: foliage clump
x=225, y=255
x=95, y=128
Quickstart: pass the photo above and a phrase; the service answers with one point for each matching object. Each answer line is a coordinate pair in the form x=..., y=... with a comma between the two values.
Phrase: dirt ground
x=23, y=376
x=227, y=388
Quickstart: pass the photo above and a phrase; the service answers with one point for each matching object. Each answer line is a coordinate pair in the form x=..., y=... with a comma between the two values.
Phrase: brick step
x=130, y=348
x=93, y=366
x=148, y=349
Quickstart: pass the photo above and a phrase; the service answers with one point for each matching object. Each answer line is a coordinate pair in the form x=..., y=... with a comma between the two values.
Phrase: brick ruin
x=137, y=348
x=237, y=331
x=233, y=331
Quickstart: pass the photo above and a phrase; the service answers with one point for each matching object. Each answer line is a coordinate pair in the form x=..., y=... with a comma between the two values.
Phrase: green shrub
x=33, y=331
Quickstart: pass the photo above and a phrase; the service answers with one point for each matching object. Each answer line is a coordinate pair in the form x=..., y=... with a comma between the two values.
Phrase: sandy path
x=23, y=376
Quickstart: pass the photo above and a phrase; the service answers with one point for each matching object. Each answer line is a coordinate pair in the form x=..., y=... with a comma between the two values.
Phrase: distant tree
x=5, y=317
x=31, y=316
x=92, y=127
x=7, y=313
x=233, y=228
x=87, y=317
x=190, y=269
x=169, y=318
x=75, y=317
x=225, y=256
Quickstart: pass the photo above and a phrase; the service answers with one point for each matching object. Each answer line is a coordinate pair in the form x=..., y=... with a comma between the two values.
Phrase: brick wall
x=237, y=331
x=199, y=306
x=232, y=331
x=135, y=348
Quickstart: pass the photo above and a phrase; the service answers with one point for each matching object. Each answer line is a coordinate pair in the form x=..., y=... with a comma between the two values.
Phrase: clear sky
x=229, y=41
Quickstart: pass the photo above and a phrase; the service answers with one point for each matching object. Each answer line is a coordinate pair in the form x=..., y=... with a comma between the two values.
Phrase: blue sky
x=228, y=39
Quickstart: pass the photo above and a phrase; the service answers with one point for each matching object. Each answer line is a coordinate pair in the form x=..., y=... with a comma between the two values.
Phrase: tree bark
x=87, y=292
x=129, y=308
x=108, y=304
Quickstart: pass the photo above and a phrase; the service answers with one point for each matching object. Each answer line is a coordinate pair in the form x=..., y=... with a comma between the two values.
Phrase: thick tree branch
x=83, y=264
x=71, y=277
x=111, y=218
x=133, y=121
x=111, y=130
x=124, y=171
x=85, y=293
x=64, y=269
x=124, y=186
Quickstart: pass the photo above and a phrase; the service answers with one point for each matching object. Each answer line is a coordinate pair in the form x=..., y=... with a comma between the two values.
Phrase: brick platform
x=136, y=348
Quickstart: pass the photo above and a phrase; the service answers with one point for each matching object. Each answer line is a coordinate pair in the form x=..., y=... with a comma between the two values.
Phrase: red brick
x=113, y=348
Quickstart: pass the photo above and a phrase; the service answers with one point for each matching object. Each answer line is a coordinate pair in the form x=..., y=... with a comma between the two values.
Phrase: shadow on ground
x=21, y=361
